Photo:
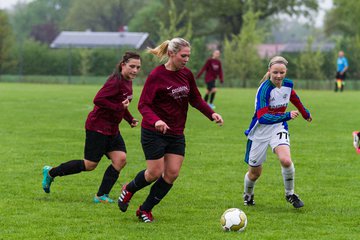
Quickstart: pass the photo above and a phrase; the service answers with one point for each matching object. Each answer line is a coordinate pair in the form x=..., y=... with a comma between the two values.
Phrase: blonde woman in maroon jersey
x=164, y=102
x=102, y=130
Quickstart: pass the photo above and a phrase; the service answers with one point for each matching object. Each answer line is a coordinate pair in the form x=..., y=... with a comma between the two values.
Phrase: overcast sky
x=7, y=4
x=323, y=4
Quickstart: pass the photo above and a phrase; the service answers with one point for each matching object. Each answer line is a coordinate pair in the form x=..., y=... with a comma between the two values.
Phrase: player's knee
x=171, y=176
x=119, y=163
x=89, y=166
x=254, y=175
x=286, y=162
x=152, y=174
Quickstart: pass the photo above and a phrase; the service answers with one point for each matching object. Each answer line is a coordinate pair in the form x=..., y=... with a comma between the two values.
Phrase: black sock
x=206, y=97
x=157, y=192
x=212, y=96
x=70, y=167
x=137, y=183
x=111, y=175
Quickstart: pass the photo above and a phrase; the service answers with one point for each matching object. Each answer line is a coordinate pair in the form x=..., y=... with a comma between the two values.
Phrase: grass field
x=44, y=124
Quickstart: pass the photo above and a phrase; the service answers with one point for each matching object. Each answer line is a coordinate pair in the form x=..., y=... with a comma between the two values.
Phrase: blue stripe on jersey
x=271, y=119
x=247, y=153
x=288, y=83
x=263, y=94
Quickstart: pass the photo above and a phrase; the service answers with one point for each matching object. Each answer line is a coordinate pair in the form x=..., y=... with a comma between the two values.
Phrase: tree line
x=236, y=27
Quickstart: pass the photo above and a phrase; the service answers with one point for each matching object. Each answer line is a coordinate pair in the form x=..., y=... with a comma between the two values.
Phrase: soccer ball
x=233, y=219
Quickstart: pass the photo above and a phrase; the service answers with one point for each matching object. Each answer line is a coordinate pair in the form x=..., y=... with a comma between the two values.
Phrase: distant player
x=342, y=67
x=356, y=136
x=213, y=71
x=269, y=128
x=102, y=130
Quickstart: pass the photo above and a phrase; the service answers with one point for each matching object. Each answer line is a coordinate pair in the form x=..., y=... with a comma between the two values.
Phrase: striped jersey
x=270, y=106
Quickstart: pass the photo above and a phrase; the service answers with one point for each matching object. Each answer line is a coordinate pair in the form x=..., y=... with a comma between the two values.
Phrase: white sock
x=248, y=185
x=289, y=179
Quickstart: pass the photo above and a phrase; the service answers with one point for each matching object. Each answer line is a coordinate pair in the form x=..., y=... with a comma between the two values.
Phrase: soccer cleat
x=212, y=106
x=103, y=199
x=356, y=142
x=124, y=198
x=294, y=200
x=144, y=216
x=47, y=180
x=249, y=200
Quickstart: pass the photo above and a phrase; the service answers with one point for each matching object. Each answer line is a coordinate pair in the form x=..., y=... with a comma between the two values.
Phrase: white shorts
x=256, y=151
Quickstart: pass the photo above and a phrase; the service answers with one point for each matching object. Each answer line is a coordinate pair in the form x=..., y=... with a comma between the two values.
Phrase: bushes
x=242, y=67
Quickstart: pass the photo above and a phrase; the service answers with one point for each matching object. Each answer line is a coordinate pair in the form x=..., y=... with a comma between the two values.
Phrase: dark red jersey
x=166, y=96
x=213, y=70
x=108, y=110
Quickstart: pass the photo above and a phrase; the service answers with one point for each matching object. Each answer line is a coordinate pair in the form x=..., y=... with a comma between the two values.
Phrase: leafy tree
x=214, y=19
x=240, y=53
x=45, y=33
x=309, y=64
x=343, y=18
x=101, y=15
x=6, y=40
x=165, y=19
x=230, y=13
x=172, y=29
x=29, y=19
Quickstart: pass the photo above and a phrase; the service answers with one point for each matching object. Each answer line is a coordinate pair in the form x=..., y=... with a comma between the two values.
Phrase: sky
x=323, y=5
x=8, y=4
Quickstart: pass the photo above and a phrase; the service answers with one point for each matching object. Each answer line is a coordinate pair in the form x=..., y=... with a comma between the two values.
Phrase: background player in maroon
x=102, y=130
x=163, y=104
x=213, y=71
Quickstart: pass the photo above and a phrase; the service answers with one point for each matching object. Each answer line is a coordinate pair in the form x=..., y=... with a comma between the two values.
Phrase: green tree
x=217, y=19
x=173, y=28
x=309, y=64
x=343, y=18
x=165, y=19
x=229, y=14
x=27, y=18
x=101, y=15
x=6, y=42
x=240, y=53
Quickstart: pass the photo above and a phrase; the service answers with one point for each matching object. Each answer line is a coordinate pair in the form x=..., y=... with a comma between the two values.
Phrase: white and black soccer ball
x=233, y=219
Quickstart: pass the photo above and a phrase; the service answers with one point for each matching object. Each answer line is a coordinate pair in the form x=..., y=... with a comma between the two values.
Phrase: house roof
x=89, y=39
x=268, y=50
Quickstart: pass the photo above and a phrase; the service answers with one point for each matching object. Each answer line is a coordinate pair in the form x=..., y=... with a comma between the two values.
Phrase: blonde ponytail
x=174, y=45
x=274, y=60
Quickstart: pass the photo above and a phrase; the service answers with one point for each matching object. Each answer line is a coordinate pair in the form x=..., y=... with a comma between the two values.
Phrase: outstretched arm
x=294, y=99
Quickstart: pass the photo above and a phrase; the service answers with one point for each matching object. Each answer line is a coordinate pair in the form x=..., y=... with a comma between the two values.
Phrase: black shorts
x=210, y=85
x=340, y=76
x=156, y=145
x=98, y=145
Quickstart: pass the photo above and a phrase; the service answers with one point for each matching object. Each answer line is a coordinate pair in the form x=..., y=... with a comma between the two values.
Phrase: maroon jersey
x=108, y=110
x=166, y=96
x=213, y=70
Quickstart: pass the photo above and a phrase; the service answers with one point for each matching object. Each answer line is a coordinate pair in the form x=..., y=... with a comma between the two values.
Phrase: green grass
x=44, y=124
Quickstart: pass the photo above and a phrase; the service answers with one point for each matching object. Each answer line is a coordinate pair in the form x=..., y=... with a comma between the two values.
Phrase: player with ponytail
x=269, y=128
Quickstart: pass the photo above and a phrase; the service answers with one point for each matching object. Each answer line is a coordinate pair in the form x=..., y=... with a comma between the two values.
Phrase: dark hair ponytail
x=126, y=57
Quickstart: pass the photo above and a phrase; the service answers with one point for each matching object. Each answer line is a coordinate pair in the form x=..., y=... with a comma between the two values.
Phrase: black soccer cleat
x=294, y=200
x=249, y=200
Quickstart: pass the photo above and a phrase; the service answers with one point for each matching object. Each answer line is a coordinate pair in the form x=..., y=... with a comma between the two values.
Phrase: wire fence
x=325, y=84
